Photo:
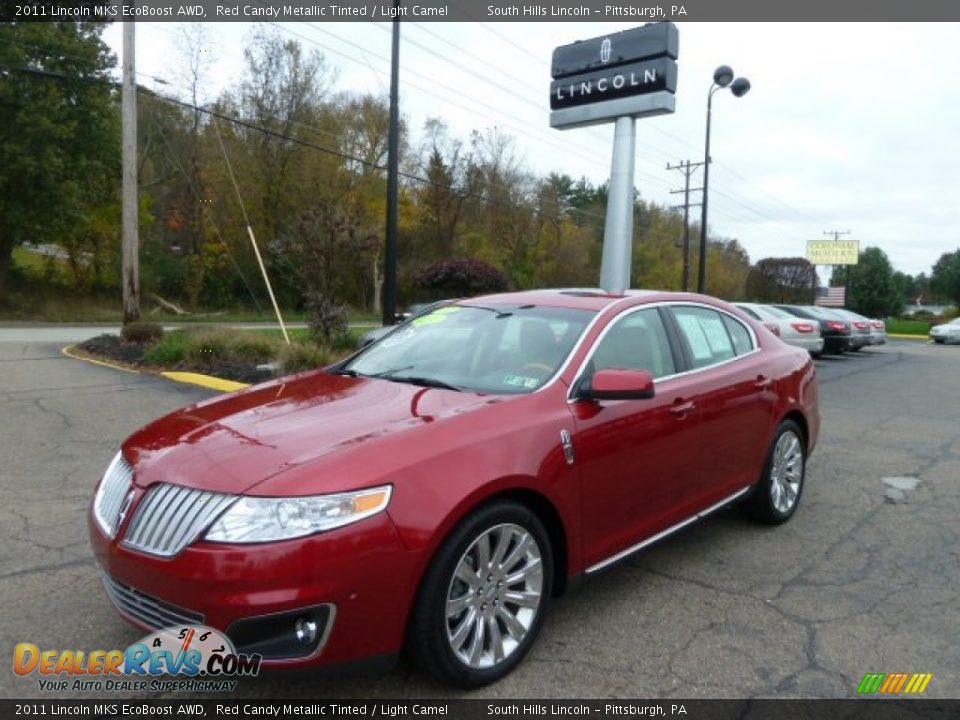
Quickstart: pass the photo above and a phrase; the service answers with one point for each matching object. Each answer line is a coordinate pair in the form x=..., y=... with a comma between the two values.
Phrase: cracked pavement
x=855, y=583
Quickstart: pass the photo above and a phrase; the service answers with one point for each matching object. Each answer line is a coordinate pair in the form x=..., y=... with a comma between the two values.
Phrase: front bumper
x=360, y=578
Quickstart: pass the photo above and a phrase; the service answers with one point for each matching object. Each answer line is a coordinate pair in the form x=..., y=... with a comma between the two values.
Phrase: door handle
x=762, y=382
x=681, y=409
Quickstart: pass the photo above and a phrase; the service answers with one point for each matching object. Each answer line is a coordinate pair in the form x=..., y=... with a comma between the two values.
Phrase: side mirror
x=615, y=384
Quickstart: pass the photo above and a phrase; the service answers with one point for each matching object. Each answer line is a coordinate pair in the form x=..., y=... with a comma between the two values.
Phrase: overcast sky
x=847, y=126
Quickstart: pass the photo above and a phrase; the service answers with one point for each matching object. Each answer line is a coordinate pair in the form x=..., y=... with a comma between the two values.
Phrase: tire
x=777, y=495
x=455, y=626
x=939, y=341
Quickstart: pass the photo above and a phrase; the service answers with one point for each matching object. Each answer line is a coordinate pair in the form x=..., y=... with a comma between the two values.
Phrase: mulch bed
x=133, y=354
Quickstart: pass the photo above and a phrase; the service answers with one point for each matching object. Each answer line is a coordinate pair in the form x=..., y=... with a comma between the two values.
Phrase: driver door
x=638, y=459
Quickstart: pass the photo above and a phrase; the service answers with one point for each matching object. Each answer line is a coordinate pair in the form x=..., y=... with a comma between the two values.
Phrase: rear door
x=734, y=395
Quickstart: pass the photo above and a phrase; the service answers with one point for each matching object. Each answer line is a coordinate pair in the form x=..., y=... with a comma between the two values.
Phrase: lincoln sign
x=628, y=74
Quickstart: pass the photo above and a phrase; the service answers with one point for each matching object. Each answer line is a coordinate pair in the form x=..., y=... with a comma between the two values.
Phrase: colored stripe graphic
x=894, y=683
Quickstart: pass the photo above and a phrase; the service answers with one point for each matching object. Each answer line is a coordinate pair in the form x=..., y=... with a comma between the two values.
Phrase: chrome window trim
x=581, y=340
x=670, y=304
x=664, y=533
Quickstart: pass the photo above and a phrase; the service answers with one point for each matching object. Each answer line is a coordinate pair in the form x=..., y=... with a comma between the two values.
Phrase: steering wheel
x=540, y=368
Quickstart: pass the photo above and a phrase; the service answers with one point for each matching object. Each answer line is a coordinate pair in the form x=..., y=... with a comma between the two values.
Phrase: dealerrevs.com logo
x=198, y=657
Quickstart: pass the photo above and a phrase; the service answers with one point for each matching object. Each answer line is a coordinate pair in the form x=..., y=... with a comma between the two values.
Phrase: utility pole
x=130, y=275
x=836, y=237
x=393, y=150
x=687, y=168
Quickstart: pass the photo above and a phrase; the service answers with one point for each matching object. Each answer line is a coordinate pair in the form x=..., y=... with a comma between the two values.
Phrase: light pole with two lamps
x=722, y=78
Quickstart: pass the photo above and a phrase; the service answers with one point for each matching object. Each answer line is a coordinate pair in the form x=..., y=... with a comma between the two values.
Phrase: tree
x=59, y=133
x=782, y=280
x=945, y=276
x=871, y=289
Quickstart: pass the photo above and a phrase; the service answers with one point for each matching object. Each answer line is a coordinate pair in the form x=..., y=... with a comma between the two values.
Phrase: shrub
x=141, y=332
x=171, y=349
x=461, y=277
x=327, y=319
x=303, y=356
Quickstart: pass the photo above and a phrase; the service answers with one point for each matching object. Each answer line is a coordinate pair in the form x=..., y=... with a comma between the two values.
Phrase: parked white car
x=792, y=330
x=948, y=332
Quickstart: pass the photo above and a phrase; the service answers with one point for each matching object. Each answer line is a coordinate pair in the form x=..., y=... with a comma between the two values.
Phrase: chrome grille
x=150, y=611
x=111, y=493
x=171, y=517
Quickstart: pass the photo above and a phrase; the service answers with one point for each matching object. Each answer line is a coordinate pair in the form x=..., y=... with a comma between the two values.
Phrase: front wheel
x=777, y=495
x=482, y=601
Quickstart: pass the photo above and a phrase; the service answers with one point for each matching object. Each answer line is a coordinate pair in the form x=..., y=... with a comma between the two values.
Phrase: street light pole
x=722, y=78
x=702, y=260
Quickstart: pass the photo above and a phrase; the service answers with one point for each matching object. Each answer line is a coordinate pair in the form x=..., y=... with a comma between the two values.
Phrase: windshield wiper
x=389, y=373
x=428, y=382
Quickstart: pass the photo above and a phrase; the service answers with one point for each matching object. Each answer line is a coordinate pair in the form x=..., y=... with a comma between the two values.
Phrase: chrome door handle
x=682, y=409
x=762, y=383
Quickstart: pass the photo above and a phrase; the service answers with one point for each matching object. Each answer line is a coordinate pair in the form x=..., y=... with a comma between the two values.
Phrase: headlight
x=260, y=519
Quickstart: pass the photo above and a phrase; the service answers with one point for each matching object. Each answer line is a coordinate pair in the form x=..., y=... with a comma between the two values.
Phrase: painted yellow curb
x=908, y=337
x=206, y=381
x=68, y=351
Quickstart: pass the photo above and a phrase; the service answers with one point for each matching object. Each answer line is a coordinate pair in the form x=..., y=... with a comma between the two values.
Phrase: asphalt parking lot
x=865, y=578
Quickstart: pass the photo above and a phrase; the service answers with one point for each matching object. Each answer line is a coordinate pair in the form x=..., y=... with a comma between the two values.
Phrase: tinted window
x=739, y=335
x=706, y=335
x=636, y=342
x=749, y=311
x=498, y=348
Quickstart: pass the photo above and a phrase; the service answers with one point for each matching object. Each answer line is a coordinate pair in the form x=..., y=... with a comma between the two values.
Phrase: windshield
x=497, y=349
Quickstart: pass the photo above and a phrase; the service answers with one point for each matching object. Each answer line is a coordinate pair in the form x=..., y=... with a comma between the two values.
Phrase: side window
x=749, y=311
x=636, y=342
x=742, y=343
x=706, y=335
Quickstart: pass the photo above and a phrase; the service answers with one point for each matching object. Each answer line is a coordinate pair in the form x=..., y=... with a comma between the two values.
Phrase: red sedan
x=437, y=489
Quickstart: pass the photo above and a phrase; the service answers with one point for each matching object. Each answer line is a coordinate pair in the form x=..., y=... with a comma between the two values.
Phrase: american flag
x=832, y=296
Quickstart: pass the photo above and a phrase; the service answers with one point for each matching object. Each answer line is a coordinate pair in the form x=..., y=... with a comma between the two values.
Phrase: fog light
x=306, y=629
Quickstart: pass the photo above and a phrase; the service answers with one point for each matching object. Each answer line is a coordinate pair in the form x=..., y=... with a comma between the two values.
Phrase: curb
x=68, y=352
x=207, y=381
x=189, y=378
x=907, y=337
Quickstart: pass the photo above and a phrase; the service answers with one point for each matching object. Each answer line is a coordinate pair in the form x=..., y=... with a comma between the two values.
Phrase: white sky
x=847, y=126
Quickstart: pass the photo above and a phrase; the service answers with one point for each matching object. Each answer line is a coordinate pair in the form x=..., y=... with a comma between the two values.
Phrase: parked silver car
x=791, y=329
x=859, y=326
x=877, y=328
x=947, y=332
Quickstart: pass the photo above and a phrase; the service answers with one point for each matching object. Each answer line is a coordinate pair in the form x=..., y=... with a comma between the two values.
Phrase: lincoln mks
x=434, y=492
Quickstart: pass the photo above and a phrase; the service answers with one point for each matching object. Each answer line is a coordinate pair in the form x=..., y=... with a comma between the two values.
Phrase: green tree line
x=308, y=161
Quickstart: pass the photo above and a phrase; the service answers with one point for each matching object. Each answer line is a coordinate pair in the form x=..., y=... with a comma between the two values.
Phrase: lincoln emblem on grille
x=124, y=507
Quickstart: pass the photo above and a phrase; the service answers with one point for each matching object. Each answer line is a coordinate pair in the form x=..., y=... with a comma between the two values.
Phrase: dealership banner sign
x=833, y=252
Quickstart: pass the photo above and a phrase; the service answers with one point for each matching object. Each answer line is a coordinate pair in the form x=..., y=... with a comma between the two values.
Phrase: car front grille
x=171, y=517
x=111, y=493
x=147, y=609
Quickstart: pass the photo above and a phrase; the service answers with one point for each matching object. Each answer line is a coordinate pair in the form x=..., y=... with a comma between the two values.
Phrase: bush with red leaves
x=461, y=277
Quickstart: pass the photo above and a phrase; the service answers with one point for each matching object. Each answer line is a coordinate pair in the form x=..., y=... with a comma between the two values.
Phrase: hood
x=234, y=442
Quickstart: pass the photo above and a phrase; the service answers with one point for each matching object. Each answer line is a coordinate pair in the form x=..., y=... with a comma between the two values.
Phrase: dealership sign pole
x=619, y=78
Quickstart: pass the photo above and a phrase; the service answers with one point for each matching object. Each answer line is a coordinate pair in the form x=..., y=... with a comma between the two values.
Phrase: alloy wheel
x=494, y=596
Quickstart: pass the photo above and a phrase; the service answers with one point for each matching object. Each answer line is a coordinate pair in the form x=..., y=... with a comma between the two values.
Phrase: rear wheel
x=939, y=341
x=777, y=495
x=482, y=601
